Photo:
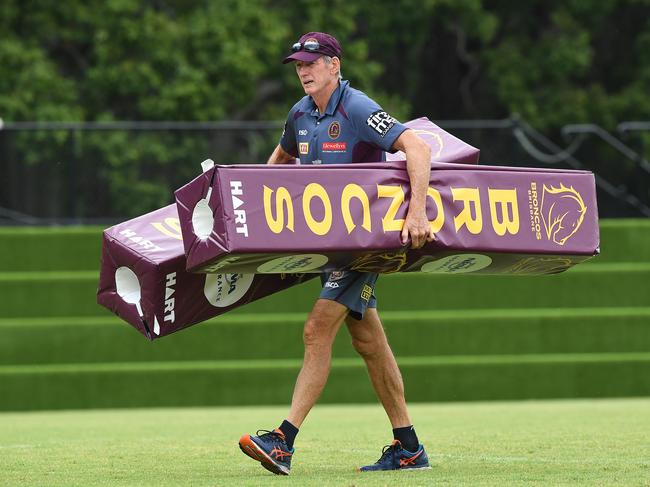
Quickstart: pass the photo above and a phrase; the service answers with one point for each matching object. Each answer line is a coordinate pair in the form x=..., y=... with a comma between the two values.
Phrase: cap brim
x=308, y=57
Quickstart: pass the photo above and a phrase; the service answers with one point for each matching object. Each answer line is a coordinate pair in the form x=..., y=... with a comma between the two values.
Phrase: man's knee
x=319, y=332
x=312, y=334
x=320, y=329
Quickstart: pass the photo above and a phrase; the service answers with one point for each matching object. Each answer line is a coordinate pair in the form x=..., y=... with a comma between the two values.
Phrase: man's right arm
x=280, y=156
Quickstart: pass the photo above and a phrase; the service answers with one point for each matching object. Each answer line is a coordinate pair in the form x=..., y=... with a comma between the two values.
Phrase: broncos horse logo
x=562, y=212
x=386, y=263
x=541, y=265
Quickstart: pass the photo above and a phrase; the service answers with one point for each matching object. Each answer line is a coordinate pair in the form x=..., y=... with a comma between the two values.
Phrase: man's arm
x=280, y=156
x=418, y=165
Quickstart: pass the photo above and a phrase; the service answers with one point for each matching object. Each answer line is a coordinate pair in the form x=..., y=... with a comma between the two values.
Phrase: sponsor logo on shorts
x=303, y=132
x=334, y=130
x=303, y=147
x=331, y=284
x=366, y=292
x=381, y=122
x=336, y=275
x=334, y=146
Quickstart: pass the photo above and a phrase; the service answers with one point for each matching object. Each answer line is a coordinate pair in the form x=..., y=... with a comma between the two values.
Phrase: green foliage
x=552, y=62
x=577, y=62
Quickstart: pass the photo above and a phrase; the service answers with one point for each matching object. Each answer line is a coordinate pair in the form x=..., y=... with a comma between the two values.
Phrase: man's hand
x=419, y=228
x=418, y=165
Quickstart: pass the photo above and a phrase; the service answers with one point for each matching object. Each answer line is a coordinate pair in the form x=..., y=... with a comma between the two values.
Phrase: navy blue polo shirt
x=354, y=128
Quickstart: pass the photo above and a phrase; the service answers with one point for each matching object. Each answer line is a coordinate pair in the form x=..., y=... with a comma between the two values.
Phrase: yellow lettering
x=506, y=199
x=282, y=198
x=470, y=198
x=315, y=190
x=388, y=222
x=170, y=227
x=355, y=191
x=436, y=225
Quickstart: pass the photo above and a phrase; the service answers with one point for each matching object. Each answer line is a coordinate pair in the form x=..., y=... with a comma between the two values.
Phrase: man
x=335, y=124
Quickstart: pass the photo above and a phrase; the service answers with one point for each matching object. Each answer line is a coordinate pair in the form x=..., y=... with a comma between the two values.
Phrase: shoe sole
x=250, y=448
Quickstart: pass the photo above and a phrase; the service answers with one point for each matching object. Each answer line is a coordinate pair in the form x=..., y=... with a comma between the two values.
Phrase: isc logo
x=236, y=190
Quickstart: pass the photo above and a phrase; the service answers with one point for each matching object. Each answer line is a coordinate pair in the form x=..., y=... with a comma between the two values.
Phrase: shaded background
x=107, y=107
x=512, y=78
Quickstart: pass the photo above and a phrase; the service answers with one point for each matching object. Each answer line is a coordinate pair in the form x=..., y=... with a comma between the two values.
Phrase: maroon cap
x=328, y=46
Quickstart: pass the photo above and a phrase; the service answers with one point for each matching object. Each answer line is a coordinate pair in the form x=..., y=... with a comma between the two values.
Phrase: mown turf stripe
x=339, y=362
x=93, y=275
x=50, y=276
x=616, y=223
x=261, y=383
x=53, y=230
x=418, y=315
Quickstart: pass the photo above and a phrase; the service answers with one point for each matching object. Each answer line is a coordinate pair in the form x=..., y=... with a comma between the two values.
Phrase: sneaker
x=270, y=449
x=394, y=457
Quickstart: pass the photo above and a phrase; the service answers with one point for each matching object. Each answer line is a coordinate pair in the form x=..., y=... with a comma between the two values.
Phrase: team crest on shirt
x=334, y=130
x=304, y=147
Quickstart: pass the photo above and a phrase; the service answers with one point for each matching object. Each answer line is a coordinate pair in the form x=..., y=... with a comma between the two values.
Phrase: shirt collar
x=333, y=102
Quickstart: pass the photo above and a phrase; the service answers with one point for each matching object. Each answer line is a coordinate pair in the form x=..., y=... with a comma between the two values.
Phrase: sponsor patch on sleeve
x=381, y=122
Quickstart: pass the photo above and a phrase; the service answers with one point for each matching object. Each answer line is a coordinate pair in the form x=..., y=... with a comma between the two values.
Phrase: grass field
x=571, y=442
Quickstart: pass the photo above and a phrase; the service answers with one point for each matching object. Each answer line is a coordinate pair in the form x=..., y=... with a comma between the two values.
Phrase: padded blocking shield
x=143, y=278
x=487, y=219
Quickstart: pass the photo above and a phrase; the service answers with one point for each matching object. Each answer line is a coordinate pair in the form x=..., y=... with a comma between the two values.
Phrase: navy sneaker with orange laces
x=394, y=457
x=270, y=449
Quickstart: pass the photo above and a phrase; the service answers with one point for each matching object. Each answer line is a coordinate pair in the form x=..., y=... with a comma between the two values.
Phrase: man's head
x=317, y=57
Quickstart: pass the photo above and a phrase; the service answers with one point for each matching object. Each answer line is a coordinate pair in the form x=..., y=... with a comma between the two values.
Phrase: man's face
x=317, y=75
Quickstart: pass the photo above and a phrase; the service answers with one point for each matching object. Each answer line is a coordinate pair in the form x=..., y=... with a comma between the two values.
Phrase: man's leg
x=274, y=449
x=369, y=340
x=320, y=330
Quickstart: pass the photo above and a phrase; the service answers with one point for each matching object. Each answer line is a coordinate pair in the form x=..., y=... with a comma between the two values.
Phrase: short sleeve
x=374, y=125
x=288, y=138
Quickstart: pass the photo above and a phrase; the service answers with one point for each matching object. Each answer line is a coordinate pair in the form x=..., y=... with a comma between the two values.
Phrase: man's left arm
x=418, y=165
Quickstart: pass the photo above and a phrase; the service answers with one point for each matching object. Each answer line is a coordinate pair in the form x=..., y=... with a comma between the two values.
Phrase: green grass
x=588, y=442
x=231, y=383
x=255, y=336
x=73, y=293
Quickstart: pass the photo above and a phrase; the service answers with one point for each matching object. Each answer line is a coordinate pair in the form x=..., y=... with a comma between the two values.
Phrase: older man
x=336, y=124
